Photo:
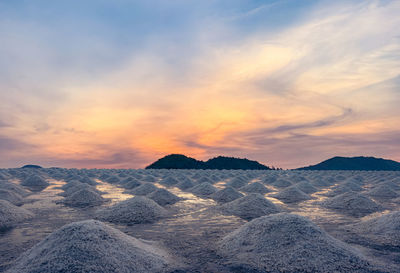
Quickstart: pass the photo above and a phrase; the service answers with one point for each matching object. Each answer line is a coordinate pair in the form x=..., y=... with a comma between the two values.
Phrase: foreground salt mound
x=288, y=243
x=91, y=246
x=5, y=185
x=84, y=198
x=10, y=214
x=250, y=206
x=136, y=210
x=11, y=197
x=35, y=183
x=383, y=229
x=225, y=195
x=292, y=195
x=352, y=203
x=163, y=197
x=204, y=189
x=255, y=187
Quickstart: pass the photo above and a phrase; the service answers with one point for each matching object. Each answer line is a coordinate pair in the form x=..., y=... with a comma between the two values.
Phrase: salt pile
x=35, y=183
x=203, y=190
x=185, y=184
x=338, y=190
x=169, y=181
x=353, y=186
x=255, y=187
x=384, y=229
x=144, y=189
x=136, y=210
x=84, y=198
x=306, y=187
x=13, y=187
x=91, y=246
x=237, y=182
x=11, y=197
x=132, y=183
x=77, y=187
x=352, y=203
x=113, y=179
x=10, y=214
x=163, y=197
x=250, y=206
x=281, y=183
x=383, y=191
x=289, y=243
x=225, y=195
x=292, y=195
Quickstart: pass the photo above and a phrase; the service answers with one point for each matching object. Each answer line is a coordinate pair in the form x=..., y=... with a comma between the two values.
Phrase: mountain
x=360, y=163
x=32, y=167
x=177, y=161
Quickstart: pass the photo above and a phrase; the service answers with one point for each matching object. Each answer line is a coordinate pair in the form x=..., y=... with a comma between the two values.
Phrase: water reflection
x=112, y=192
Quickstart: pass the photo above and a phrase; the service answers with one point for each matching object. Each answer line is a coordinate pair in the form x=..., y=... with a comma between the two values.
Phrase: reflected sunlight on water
x=112, y=192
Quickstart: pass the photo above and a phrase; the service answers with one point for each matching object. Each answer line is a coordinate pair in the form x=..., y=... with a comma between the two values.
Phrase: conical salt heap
x=384, y=229
x=203, y=190
x=237, y=182
x=282, y=183
x=250, y=206
x=306, y=187
x=84, y=198
x=288, y=243
x=225, y=195
x=163, y=197
x=383, y=191
x=35, y=183
x=136, y=210
x=255, y=187
x=144, y=189
x=91, y=246
x=10, y=214
x=169, y=181
x=352, y=203
x=292, y=195
x=11, y=197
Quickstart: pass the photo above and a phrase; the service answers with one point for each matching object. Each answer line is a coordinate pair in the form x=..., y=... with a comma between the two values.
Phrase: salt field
x=122, y=220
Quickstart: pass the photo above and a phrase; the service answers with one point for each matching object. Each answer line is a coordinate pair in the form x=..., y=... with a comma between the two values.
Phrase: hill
x=360, y=163
x=32, y=167
x=177, y=161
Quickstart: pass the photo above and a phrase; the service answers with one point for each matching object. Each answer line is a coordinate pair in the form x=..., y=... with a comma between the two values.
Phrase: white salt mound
x=204, y=189
x=306, y=187
x=11, y=197
x=225, y=195
x=84, y=198
x=288, y=243
x=352, y=203
x=136, y=210
x=250, y=206
x=282, y=183
x=10, y=214
x=35, y=183
x=91, y=246
x=255, y=187
x=292, y=195
x=144, y=189
x=237, y=182
x=77, y=187
x=163, y=197
x=169, y=181
x=130, y=183
x=383, y=191
x=185, y=184
x=13, y=187
x=384, y=229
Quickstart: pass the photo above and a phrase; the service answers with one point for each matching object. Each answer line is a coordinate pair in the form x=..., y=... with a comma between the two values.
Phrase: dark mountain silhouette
x=32, y=166
x=360, y=163
x=177, y=161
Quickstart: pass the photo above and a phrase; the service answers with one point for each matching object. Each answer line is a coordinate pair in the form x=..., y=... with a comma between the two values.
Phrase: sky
x=119, y=84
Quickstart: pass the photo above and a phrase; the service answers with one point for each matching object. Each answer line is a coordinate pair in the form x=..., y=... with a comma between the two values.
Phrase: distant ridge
x=359, y=163
x=178, y=161
x=32, y=166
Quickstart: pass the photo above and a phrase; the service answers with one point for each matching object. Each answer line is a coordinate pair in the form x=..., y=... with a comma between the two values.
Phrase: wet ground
x=191, y=229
